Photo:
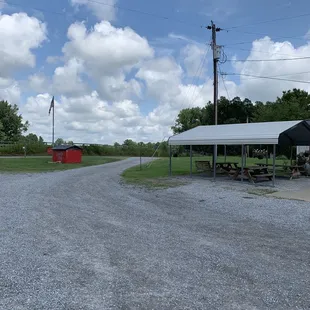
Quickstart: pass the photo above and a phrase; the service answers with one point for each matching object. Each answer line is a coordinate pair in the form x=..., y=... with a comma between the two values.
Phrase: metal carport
x=290, y=133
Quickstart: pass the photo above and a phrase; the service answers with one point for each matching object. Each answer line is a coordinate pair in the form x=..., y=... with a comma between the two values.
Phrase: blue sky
x=173, y=40
x=226, y=14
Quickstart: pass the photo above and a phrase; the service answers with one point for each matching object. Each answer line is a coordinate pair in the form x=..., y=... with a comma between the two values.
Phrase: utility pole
x=216, y=55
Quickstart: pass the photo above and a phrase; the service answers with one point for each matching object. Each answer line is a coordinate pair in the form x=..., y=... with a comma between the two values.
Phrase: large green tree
x=188, y=119
x=12, y=125
x=292, y=105
x=60, y=141
x=229, y=112
x=32, y=139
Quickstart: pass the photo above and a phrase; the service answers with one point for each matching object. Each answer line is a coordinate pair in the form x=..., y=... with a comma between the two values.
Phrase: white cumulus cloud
x=67, y=79
x=102, y=9
x=39, y=83
x=83, y=119
x=195, y=60
x=10, y=90
x=108, y=54
x=287, y=69
x=19, y=35
x=105, y=48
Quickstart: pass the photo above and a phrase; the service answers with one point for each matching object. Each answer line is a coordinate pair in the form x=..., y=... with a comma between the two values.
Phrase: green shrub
x=17, y=149
x=282, y=157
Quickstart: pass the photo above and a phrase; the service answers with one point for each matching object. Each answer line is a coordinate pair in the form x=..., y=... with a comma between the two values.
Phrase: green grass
x=156, y=175
x=43, y=164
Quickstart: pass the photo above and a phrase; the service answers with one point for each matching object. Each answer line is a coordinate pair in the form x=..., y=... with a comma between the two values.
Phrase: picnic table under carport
x=294, y=170
x=287, y=133
x=205, y=165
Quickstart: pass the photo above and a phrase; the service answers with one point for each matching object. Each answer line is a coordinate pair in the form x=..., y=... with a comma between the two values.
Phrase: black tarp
x=296, y=135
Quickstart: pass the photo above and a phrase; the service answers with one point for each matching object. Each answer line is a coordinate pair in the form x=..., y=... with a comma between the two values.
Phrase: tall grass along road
x=81, y=239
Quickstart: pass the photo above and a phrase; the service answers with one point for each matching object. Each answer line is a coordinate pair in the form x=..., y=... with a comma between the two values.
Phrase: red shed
x=67, y=154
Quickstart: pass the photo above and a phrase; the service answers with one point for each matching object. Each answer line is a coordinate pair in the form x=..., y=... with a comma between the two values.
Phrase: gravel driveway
x=80, y=239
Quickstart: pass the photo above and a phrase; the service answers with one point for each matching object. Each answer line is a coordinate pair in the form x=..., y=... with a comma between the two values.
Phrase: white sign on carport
x=290, y=133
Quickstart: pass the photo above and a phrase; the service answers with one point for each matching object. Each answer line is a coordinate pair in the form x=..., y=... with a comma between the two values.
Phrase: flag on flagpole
x=51, y=106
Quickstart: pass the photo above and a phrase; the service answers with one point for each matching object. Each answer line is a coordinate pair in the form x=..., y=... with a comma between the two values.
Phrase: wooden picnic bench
x=203, y=165
x=227, y=166
x=253, y=174
x=295, y=170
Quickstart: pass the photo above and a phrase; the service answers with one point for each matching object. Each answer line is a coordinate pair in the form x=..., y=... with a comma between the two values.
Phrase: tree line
x=292, y=105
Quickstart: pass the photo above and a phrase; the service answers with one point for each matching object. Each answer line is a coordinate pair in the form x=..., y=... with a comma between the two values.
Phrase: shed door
x=59, y=156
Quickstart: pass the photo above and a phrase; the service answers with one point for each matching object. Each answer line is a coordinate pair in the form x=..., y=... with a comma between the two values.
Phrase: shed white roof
x=234, y=134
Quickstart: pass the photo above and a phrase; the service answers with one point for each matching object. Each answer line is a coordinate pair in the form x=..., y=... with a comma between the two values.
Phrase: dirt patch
x=156, y=183
x=261, y=191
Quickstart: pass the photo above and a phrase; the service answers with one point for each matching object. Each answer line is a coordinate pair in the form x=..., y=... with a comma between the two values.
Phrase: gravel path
x=80, y=239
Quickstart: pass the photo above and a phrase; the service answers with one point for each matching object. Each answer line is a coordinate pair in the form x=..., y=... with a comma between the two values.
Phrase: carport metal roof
x=284, y=133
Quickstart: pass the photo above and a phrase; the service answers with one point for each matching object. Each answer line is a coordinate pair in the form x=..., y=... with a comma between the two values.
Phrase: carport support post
x=225, y=152
x=191, y=160
x=291, y=162
x=214, y=162
x=170, y=161
x=242, y=162
x=274, y=165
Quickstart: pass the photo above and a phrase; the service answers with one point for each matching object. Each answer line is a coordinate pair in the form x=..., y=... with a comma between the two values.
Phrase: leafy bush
x=17, y=149
x=282, y=157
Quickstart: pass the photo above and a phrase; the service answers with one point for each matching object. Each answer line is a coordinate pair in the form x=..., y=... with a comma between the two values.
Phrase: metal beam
x=214, y=162
x=242, y=163
x=170, y=161
x=191, y=160
x=274, y=166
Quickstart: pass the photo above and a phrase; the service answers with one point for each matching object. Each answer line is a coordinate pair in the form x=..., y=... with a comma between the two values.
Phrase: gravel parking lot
x=81, y=239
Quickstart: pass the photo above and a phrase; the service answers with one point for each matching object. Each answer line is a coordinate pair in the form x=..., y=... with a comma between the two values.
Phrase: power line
x=142, y=12
x=224, y=83
x=269, y=60
x=199, y=71
x=18, y=5
x=256, y=50
x=269, y=21
x=150, y=14
x=286, y=74
x=267, y=77
x=273, y=76
x=249, y=42
x=268, y=35
x=239, y=43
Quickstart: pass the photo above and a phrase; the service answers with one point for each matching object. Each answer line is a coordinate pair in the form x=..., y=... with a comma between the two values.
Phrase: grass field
x=42, y=164
x=155, y=173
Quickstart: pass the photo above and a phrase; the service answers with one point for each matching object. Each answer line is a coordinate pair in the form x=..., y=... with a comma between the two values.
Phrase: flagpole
x=53, y=136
